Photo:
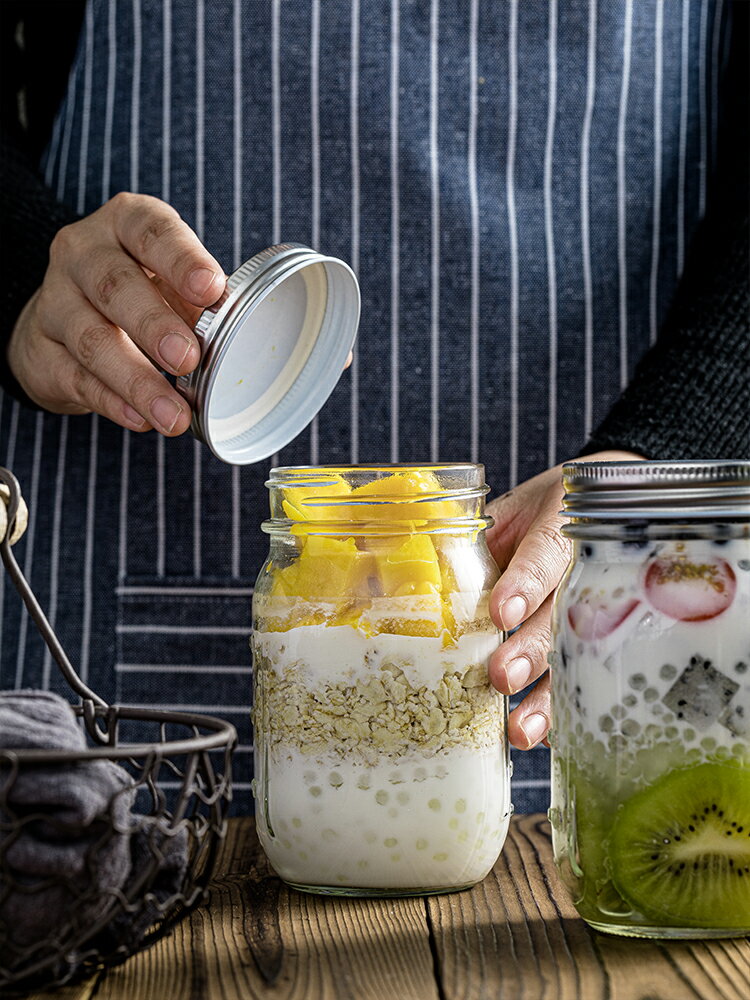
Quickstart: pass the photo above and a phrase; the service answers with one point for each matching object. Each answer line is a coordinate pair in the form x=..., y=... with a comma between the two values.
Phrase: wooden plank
x=514, y=937
x=256, y=938
x=517, y=936
x=81, y=991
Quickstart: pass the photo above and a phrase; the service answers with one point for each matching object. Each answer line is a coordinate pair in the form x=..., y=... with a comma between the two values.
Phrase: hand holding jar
x=533, y=555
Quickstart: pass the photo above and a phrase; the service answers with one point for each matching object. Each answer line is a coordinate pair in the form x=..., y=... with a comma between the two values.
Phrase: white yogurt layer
x=343, y=654
x=408, y=823
x=687, y=681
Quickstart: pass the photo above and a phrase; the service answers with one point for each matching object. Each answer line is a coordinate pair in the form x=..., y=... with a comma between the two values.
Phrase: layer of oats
x=384, y=714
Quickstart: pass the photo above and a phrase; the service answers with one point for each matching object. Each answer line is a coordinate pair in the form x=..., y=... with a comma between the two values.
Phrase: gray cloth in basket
x=75, y=841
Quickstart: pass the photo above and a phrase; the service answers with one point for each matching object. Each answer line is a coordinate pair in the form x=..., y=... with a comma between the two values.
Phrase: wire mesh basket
x=106, y=847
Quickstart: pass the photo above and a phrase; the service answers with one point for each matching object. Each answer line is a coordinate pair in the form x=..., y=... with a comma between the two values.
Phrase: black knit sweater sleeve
x=37, y=42
x=31, y=215
x=690, y=395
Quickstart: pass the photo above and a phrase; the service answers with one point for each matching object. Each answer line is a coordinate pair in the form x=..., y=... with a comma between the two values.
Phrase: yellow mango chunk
x=304, y=503
x=411, y=568
x=448, y=620
x=402, y=484
x=327, y=569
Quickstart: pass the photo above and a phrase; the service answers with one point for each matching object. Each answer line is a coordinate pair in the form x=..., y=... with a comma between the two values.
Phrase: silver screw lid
x=673, y=491
x=272, y=349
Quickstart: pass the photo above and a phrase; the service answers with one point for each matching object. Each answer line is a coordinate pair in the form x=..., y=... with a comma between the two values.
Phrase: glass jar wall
x=651, y=700
x=380, y=747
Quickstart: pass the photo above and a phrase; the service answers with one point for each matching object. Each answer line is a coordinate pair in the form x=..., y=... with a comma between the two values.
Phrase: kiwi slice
x=680, y=849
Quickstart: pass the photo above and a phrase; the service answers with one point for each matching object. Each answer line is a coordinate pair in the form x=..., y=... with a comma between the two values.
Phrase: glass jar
x=651, y=698
x=381, y=757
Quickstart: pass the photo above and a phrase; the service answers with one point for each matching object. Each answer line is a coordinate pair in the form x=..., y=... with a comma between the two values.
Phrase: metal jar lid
x=657, y=490
x=272, y=350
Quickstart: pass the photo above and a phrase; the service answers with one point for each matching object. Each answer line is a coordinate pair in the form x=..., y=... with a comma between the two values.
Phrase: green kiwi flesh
x=680, y=849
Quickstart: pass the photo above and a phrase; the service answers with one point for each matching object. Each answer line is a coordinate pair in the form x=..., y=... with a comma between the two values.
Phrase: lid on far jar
x=657, y=490
x=272, y=349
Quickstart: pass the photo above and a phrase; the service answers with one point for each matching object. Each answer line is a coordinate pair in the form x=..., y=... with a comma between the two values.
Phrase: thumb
x=533, y=571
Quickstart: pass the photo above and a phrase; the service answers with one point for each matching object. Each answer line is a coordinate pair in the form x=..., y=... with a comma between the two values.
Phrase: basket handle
x=38, y=616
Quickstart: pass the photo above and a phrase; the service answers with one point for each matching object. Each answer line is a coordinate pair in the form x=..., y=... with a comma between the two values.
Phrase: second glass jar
x=381, y=756
x=651, y=698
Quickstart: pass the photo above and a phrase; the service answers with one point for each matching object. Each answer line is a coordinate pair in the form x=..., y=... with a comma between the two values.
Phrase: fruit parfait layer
x=381, y=754
x=651, y=763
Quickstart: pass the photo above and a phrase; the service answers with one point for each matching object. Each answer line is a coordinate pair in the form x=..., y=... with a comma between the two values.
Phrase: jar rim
x=374, y=467
x=662, y=490
x=432, y=503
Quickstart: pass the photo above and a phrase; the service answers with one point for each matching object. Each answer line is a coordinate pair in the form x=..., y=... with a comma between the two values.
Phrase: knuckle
x=538, y=574
x=557, y=547
x=47, y=309
x=97, y=396
x=63, y=242
x=140, y=387
x=79, y=385
x=152, y=229
x=152, y=324
x=110, y=283
x=537, y=646
x=91, y=343
x=123, y=201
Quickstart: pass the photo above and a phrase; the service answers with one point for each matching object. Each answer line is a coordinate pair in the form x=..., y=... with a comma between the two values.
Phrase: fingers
x=528, y=725
x=154, y=234
x=533, y=572
x=517, y=662
x=119, y=290
x=506, y=511
x=84, y=392
x=109, y=257
x=522, y=658
x=515, y=511
x=527, y=542
x=185, y=310
x=84, y=340
x=111, y=358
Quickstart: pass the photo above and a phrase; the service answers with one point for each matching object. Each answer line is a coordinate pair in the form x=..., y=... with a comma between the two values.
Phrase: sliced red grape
x=690, y=591
x=595, y=618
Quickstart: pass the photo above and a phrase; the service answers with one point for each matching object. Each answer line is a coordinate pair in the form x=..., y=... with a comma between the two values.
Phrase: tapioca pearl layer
x=648, y=670
x=696, y=705
x=416, y=823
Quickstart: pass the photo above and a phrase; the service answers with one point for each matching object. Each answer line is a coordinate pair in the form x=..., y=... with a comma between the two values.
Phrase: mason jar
x=381, y=757
x=651, y=698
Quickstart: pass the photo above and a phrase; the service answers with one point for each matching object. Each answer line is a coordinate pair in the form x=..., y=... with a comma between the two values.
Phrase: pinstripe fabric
x=355, y=234
x=471, y=167
x=510, y=197
x=621, y=202
x=54, y=575
x=549, y=235
x=395, y=227
x=515, y=184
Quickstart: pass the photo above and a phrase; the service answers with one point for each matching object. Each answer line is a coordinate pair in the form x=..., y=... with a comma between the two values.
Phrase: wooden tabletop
x=514, y=936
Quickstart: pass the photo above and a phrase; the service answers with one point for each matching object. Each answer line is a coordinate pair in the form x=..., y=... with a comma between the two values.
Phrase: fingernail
x=513, y=611
x=534, y=727
x=201, y=279
x=133, y=416
x=173, y=350
x=165, y=412
x=518, y=672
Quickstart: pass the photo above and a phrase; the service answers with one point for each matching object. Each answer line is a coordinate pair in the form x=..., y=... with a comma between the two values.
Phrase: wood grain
x=516, y=936
x=256, y=938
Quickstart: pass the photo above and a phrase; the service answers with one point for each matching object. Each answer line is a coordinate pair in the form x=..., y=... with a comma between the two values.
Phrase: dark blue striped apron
x=515, y=183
